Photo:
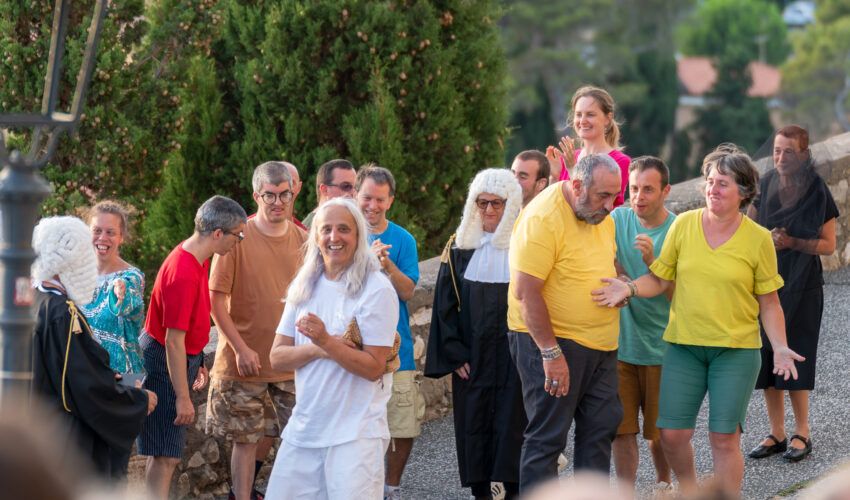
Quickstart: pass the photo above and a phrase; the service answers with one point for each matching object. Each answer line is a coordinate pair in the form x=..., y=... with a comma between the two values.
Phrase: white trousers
x=353, y=470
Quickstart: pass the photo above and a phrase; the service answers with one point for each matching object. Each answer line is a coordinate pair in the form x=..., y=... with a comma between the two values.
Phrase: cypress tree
x=416, y=86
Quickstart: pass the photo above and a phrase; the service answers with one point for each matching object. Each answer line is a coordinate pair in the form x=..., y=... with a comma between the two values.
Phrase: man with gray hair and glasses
x=176, y=330
x=563, y=344
x=249, y=403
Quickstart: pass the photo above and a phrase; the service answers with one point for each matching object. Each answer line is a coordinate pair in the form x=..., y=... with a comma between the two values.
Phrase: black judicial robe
x=489, y=417
x=103, y=414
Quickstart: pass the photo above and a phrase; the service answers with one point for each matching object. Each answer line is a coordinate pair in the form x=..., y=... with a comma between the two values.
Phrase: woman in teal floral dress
x=117, y=310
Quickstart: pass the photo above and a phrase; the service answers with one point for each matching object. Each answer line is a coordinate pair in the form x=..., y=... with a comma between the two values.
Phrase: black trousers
x=592, y=401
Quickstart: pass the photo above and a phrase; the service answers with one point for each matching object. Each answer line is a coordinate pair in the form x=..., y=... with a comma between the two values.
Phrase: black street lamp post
x=22, y=189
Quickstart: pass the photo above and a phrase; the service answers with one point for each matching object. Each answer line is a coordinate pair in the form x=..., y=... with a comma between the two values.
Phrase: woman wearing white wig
x=70, y=369
x=468, y=336
x=333, y=445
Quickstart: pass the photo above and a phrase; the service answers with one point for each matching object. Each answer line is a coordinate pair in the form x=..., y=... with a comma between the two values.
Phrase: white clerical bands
x=551, y=353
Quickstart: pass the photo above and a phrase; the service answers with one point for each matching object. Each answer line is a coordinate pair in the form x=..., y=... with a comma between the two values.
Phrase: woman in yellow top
x=724, y=267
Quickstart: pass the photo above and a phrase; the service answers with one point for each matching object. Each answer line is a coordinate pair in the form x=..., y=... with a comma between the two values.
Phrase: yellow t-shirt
x=715, y=300
x=571, y=256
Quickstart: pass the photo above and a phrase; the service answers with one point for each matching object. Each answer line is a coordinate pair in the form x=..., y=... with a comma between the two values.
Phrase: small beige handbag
x=352, y=333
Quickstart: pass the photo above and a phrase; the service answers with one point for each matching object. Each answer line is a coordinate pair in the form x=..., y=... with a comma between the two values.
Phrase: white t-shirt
x=333, y=406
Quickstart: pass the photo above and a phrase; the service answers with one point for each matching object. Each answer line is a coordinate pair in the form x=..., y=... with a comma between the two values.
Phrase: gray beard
x=590, y=217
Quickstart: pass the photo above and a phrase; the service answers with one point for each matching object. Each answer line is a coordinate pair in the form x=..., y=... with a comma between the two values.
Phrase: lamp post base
x=22, y=190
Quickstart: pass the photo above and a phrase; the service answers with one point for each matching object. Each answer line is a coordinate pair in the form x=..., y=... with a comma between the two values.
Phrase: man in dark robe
x=71, y=372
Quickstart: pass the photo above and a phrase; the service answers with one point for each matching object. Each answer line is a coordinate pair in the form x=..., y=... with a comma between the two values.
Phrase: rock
x=839, y=192
x=847, y=255
x=831, y=262
x=418, y=348
x=265, y=472
x=223, y=488
x=196, y=461
x=201, y=418
x=211, y=451
x=183, y=486
x=422, y=316
x=203, y=477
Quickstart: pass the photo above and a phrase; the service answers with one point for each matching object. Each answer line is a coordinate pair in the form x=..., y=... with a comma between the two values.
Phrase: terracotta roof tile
x=697, y=76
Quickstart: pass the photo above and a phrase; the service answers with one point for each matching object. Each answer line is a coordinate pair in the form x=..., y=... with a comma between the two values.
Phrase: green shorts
x=727, y=374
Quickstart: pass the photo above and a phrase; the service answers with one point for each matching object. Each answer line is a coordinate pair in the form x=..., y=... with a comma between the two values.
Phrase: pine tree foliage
x=416, y=86
x=124, y=134
x=190, y=171
x=815, y=76
x=752, y=27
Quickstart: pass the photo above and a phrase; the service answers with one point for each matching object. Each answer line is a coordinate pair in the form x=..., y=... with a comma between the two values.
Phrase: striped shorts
x=159, y=436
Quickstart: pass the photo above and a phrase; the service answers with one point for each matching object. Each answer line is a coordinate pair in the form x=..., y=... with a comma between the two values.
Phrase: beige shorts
x=406, y=406
x=246, y=411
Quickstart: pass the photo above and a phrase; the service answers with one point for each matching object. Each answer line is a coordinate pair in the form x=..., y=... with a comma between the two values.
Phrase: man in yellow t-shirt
x=564, y=346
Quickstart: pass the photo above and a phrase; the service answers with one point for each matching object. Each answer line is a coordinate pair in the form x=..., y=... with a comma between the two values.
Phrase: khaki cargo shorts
x=246, y=411
x=406, y=406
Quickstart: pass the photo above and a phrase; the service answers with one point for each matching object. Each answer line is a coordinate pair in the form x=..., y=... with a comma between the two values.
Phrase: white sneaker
x=497, y=490
x=562, y=463
x=662, y=489
x=394, y=494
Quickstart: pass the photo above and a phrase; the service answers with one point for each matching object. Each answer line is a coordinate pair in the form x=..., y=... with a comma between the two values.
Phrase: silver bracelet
x=633, y=290
x=551, y=353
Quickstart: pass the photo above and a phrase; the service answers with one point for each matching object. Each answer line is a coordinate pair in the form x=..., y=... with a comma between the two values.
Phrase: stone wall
x=204, y=472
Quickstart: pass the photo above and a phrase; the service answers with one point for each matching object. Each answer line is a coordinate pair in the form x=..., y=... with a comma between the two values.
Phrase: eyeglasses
x=240, y=236
x=270, y=198
x=345, y=187
x=496, y=204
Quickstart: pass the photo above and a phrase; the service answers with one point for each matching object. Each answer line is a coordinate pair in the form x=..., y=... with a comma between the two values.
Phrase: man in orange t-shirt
x=248, y=401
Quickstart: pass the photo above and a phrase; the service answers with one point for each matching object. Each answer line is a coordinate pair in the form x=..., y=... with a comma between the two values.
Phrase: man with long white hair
x=339, y=423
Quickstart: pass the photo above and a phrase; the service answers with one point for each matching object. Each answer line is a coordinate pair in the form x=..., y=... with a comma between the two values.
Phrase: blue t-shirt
x=643, y=321
x=404, y=255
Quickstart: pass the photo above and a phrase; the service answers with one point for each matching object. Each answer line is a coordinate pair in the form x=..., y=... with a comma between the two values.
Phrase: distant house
x=697, y=77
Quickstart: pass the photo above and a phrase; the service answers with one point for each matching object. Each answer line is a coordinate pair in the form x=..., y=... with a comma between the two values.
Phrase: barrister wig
x=497, y=181
x=64, y=248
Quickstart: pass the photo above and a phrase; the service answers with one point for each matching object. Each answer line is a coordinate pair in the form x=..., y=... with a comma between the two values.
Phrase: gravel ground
x=432, y=471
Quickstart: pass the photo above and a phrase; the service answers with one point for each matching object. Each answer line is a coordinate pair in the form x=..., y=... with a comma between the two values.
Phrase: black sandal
x=797, y=454
x=766, y=450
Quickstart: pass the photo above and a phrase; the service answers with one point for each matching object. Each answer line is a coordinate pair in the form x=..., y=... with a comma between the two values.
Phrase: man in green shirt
x=640, y=233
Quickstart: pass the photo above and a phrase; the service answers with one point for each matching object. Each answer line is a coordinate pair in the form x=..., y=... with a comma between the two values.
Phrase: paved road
x=432, y=471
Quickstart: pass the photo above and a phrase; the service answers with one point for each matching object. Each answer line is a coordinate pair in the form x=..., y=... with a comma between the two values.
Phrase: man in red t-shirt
x=176, y=331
